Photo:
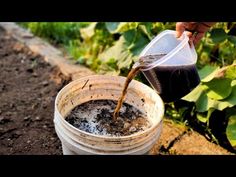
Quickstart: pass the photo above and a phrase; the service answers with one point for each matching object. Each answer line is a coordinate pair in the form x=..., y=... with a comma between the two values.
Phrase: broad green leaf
x=206, y=71
x=218, y=35
x=219, y=88
x=119, y=53
x=203, y=117
x=194, y=95
x=205, y=103
x=232, y=39
x=129, y=36
x=231, y=131
x=125, y=26
x=229, y=102
x=140, y=42
x=233, y=83
x=210, y=76
x=112, y=26
x=230, y=112
x=112, y=63
x=113, y=52
x=202, y=104
x=125, y=61
x=89, y=31
x=231, y=72
x=146, y=29
x=158, y=27
x=219, y=105
x=231, y=99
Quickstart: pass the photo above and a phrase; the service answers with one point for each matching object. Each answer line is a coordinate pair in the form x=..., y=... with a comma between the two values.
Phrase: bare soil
x=28, y=86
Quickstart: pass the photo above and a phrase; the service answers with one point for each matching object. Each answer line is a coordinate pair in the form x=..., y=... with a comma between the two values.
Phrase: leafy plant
x=112, y=48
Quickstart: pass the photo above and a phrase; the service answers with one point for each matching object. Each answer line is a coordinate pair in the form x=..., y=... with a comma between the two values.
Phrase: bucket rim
x=135, y=135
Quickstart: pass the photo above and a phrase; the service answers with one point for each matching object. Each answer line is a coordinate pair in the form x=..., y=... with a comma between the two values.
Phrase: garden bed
x=28, y=86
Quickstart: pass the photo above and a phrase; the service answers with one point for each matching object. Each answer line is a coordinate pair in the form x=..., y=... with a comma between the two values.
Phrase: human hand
x=195, y=30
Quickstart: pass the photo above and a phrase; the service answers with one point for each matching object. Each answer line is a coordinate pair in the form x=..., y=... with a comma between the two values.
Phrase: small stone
x=26, y=118
x=37, y=118
x=8, y=113
x=27, y=35
x=30, y=70
x=28, y=141
x=45, y=83
x=126, y=125
x=35, y=75
x=18, y=47
x=132, y=129
x=4, y=120
x=45, y=126
x=18, y=133
x=44, y=105
x=12, y=105
x=2, y=87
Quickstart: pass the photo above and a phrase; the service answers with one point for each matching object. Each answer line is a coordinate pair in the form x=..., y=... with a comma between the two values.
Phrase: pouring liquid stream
x=141, y=63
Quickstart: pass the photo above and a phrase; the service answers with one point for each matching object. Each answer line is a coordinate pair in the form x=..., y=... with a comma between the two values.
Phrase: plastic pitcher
x=173, y=74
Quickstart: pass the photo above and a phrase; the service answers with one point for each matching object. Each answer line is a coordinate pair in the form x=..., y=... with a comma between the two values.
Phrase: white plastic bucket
x=95, y=87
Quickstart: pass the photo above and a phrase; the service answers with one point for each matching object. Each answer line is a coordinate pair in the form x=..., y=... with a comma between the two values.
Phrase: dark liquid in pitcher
x=173, y=82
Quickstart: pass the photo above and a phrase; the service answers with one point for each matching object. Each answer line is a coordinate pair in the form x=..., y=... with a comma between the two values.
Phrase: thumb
x=180, y=28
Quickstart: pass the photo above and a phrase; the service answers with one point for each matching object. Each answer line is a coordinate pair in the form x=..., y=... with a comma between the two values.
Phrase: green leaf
x=233, y=83
x=229, y=102
x=146, y=29
x=89, y=31
x=232, y=39
x=219, y=88
x=218, y=35
x=203, y=117
x=138, y=45
x=231, y=99
x=231, y=131
x=210, y=76
x=112, y=26
x=194, y=95
x=119, y=53
x=125, y=26
x=130, y=36
x=112, y=63
x=230, y=112
x=231, y=72
x=206, y=71
x=202, y=104
x=205, y=103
